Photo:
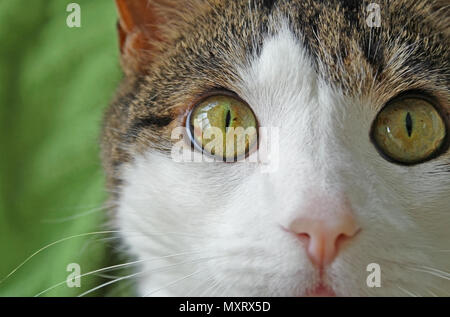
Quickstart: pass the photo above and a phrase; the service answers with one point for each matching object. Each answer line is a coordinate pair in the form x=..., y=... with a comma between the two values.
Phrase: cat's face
x=337, y=198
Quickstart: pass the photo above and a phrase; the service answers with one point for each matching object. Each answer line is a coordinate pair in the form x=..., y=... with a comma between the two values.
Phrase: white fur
x=224, y=220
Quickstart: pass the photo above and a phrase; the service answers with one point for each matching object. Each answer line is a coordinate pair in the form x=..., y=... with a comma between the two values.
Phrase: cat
x=363, y=172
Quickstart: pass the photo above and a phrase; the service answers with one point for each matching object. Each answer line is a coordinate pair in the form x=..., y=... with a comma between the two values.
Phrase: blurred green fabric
x=55, y=83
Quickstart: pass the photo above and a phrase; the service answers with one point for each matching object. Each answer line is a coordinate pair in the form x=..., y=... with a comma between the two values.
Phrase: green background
x=55, y=83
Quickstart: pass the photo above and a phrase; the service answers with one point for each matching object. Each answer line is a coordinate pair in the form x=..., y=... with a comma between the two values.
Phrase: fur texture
x=316, y=71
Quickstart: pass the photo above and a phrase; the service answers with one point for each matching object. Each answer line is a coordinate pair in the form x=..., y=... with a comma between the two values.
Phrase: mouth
x=321, y=291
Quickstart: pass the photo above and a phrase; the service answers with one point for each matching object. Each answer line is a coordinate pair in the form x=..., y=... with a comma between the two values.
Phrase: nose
x=323, y=236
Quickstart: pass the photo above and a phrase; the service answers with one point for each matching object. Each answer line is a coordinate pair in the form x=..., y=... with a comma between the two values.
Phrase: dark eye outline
x=416, y=94
x=189, y=126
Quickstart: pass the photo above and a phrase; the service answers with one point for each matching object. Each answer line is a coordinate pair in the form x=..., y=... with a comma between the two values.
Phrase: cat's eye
x=410, y=130
x=223, y=126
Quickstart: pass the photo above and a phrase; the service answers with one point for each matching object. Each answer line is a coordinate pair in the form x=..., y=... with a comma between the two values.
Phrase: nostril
x=303, y=237
x=340, y=239
x=343, y=237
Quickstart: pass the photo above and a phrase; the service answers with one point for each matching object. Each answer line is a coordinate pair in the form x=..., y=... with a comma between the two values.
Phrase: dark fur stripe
x=268, y=4
x=143, y=123
x=151, y=121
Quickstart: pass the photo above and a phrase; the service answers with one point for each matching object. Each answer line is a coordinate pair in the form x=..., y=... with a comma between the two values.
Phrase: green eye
x=223, y=126
x=409, y=130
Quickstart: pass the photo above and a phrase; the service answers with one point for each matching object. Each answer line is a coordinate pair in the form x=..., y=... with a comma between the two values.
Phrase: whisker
x=73, y=217
x=52, y=244
x=89, y=273
x=192, y=291
x=110, y=282
x=443, y=293
x=230, y=286
x=117, y=289
x=199, y=286
x=86, y=235
x=432, y=293
x=437, y=271
x=206, y=290
x=142, y=272
x=118, y=266
x=210, y=288
x=437, y=274
x=106, y=276
x=173, y=283
x=407, y=292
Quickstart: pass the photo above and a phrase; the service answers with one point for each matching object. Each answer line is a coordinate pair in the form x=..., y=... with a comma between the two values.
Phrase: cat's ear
x=143, y=26
x=138, y=33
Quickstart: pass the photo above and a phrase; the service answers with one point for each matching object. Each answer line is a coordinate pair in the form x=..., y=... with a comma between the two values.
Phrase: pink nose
x=323, y=236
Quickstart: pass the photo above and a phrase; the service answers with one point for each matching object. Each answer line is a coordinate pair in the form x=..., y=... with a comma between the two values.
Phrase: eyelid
x=419, y=94
x=210, y=93
x=198, y=98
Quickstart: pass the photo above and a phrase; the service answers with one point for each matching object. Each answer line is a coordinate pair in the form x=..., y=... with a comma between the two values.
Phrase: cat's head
x=355, y=104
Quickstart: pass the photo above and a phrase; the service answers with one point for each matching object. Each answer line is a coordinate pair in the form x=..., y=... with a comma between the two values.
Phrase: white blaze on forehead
x=284, y=90
x=281, y=72
x=283, y=61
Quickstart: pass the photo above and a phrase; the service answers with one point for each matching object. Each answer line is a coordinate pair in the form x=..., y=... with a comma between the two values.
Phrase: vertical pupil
x=228, y=119
x=409, y=124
